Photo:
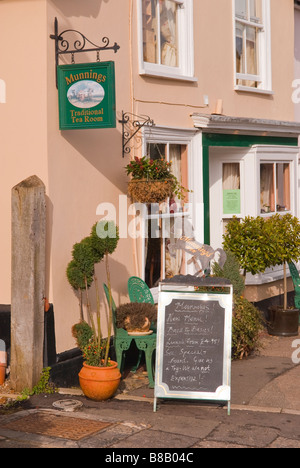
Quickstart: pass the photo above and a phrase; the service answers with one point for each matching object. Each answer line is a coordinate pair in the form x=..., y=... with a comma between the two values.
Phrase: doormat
x=57, y=426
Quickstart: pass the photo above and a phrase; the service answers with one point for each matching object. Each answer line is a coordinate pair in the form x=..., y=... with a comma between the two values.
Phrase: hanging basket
x=150, y=191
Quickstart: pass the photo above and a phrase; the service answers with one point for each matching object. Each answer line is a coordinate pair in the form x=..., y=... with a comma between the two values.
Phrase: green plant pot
x=283, y=322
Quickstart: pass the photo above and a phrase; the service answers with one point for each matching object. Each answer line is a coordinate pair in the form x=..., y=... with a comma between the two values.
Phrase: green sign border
x=102, y=115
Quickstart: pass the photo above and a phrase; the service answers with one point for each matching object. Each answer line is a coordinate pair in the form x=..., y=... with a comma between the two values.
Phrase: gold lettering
x=70, y=79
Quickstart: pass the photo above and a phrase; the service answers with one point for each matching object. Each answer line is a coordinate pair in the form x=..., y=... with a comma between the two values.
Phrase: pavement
x=265, y=413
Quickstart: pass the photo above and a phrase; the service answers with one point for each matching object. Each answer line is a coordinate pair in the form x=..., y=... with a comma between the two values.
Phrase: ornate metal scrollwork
x=136, y=122
x=80, y=44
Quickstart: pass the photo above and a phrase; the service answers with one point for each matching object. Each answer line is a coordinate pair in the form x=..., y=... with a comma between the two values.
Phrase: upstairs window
x=252, y=45
x=166, y=38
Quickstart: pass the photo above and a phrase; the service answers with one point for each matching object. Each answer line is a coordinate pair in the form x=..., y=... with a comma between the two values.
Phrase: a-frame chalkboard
x=194, y=330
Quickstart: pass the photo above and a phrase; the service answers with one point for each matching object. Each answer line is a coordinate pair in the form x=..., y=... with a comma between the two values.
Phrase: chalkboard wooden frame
x=209, y=308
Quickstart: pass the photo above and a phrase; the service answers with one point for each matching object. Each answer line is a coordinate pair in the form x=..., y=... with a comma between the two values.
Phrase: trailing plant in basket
x=81, y=275
x=155, y=170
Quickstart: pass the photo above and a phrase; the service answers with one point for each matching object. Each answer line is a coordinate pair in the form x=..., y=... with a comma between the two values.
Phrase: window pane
x=231, y=176
x=150, y=35
x=241, y=9
x=240, y=54
x=157, y=151
x=267, y=195
x=231, y=188
x=173, y=265
x=256, y=11
x=251, y=51
x=160, y=32
x=163, y=231
x=153, y=260
x=246, y=54
x=169, y=33
x=283, y=187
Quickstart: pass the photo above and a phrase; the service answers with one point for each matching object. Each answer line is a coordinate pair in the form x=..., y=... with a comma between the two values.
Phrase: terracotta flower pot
x=3, y=363
x=2, y=373
x=99, y=383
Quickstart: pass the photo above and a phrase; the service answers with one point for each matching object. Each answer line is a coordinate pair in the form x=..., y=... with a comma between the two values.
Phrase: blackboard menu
x=194, y=345
x=194, y=333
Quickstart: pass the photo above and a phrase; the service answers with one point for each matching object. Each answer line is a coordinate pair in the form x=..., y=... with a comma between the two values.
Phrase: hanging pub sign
x=87, y=95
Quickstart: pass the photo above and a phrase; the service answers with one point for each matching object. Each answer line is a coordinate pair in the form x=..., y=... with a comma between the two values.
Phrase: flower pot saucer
x=137, y=333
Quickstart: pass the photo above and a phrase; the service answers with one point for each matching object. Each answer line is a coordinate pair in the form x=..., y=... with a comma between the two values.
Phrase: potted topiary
x=284, y=320
x=100, y=377
x=152, y=181
x=260, y=243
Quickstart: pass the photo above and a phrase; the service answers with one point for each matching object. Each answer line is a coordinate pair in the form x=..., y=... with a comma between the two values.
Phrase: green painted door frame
x=242, y=141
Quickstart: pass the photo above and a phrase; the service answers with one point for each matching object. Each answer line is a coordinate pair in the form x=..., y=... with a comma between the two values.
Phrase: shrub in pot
x=260, y=243
x=99, y=378
x=284, y=320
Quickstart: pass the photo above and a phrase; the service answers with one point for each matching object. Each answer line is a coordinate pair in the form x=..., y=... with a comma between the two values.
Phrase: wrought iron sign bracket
x=81, y=44
x=137, y=123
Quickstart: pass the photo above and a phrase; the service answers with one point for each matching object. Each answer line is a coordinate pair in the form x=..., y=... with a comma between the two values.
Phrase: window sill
x=249, y=89
x=169, y=76
x=271, y=275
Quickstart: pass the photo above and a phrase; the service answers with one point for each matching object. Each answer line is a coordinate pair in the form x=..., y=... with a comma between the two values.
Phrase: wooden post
x=27, y=282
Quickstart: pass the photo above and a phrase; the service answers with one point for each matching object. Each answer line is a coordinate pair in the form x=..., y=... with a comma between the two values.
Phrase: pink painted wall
x=84, y=168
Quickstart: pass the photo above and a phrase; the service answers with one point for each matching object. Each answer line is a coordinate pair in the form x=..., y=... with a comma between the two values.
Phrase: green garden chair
x=296, y=281
x=138, y=290
x=122, y=343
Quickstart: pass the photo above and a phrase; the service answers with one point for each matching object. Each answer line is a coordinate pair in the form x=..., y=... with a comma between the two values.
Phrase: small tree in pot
x=286, y=231
x=81, y=274
x=260, y=243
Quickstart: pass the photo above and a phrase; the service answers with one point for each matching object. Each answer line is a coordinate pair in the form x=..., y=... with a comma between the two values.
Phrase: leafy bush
x=247, y=323
x=252, y=242
x=231, y=271
x=83, y=333
x=247, y=320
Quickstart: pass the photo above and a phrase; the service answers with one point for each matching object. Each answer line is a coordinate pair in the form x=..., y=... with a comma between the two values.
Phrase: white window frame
x=283, y=154
x=250, y=161
x=264, y=53
x=185, y=70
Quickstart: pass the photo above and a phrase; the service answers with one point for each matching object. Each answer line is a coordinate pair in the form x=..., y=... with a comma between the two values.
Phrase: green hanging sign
x=87, y=95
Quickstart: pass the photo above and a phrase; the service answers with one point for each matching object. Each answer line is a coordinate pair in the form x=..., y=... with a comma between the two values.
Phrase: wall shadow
x=87, y=8
x=90, y=144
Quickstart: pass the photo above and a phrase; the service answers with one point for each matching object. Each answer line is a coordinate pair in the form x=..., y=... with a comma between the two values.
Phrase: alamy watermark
x=141, y=221
x=296, y=92
x=296, y=353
